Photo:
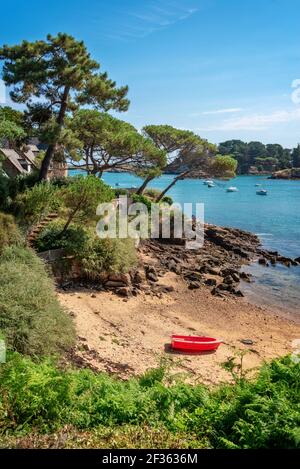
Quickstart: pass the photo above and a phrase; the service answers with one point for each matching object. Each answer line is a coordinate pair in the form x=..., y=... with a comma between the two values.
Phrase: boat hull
x=194, y=344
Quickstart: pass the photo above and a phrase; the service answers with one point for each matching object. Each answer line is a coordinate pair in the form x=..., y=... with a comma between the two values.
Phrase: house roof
x=30, y=153
x=13, y=157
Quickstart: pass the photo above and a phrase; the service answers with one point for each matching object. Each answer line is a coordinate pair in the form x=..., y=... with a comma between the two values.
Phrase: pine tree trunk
x=51, y=148
x=180, y=176
x=144, y=185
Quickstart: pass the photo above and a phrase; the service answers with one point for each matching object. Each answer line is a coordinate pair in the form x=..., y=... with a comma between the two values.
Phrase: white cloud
x=256, y=121
x=150, y=19
x=223, y=111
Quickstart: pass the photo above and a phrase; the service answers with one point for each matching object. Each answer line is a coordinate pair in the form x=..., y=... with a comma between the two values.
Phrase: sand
x=128, y=336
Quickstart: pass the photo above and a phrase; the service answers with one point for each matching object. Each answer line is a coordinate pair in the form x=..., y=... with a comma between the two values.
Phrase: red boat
x=194, y=344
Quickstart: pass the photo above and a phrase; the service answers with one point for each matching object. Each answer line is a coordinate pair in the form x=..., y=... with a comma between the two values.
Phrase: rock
x=235, y=276
x=246, y=277
x=262, y=261
x=297, y=260
x=211, y=282
x=238, y=293
x=228, y=280
x=118, y=277
x=194, y=276
x=113, y=284
x=213, y=271
x=152, y=276
x=139, y=277
x=123, y=291
x=171, y=265
x=93, y=295
x=165, y=288
x=247, y=341
x=194, y=285
x=224, y=287
x=217, y=292
x=273, y=260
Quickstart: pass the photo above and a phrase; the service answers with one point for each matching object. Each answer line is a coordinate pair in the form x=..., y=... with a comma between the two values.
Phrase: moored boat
x=208, y=181
x=232, y=189
x=262, y=192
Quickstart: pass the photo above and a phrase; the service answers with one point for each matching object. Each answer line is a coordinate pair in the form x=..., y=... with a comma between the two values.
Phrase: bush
x=35, y=203
x=9, y=232
x=142, y=199
x=73, y=240
x=31, y=317
x=110, y=255
x=167, y=200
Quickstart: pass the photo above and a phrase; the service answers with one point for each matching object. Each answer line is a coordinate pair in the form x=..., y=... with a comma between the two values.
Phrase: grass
x=98, y=410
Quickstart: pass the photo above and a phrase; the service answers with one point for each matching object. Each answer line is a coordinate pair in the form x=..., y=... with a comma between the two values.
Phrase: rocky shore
x=217, y=265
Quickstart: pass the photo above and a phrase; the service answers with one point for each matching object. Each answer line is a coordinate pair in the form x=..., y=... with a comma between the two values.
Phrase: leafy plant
x=110, y=255
x=73, y=240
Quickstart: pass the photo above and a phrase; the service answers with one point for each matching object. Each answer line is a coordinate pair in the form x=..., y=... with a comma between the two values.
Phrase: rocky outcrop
x=293, y=173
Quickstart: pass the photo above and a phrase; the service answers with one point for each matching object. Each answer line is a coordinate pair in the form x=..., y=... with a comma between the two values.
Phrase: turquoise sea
x=274, y=218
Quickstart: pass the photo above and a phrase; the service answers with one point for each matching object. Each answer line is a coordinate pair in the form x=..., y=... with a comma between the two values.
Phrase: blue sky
x=222, y=68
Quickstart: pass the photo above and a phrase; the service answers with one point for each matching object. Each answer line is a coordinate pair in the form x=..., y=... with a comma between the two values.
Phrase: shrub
x=167, y=200
x=142, y=199
x=119, y=192
x=152, y=193
x=73, y=240
x=35, y=203
x=82, y=196
x=9, y=232
x=111, y=255
x=31, y=318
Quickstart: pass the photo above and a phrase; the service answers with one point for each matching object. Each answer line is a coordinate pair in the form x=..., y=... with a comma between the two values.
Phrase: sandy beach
x=129, y=336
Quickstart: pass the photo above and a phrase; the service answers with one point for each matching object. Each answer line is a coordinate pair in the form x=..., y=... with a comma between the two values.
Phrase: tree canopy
x=107, y=143
x=53, y=77
x=265, y=157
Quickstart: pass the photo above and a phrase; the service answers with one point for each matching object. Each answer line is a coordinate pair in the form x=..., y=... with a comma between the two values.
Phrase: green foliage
x=53, y=77
x=136, y=198
x=36, y=202
x=82, y=196
x=110, y=255
x=247, y=154
x=109, y=143
x=167, y=200
x=31, y=318
x=73, y=240
x=224, y=166
x=9, y=232
x=262, y=413
x=296, y=157
x=12, y=128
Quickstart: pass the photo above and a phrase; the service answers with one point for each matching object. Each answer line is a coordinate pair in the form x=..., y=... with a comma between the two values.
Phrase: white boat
x=232, y=189
x=210, y=184
x=209, y=181
x=262, y=192
x=257, y=185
